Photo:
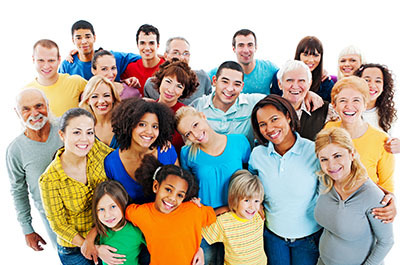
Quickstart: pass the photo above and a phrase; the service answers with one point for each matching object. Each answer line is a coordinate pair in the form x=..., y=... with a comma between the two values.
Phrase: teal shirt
x=236, y=120
x=128, y=241
x=259, y=80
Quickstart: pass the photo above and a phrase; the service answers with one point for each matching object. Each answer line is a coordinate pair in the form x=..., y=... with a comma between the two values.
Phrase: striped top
x=242, y=238
x=67, y=202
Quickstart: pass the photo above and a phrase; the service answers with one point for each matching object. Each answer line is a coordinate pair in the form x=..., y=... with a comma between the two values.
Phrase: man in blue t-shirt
x=83, y=37
x=258, y=74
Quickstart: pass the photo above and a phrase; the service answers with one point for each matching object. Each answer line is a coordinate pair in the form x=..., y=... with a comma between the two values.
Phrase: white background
x=373, y=26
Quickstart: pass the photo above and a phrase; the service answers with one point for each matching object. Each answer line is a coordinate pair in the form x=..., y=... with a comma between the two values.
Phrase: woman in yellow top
x=67, y=185
x=350, y=96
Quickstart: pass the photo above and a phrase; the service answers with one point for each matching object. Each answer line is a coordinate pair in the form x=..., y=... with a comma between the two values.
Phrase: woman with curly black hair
x=380, y=112
x=175, y=80
x=141, y=128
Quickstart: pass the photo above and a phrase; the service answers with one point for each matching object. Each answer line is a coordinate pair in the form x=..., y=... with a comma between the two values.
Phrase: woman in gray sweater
x=352, y=235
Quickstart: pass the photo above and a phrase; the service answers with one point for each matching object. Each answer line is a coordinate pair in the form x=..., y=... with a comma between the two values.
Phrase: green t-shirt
x=127, y=241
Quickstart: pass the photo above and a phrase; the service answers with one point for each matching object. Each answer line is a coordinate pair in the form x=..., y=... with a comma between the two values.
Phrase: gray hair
x=168, y=43
x=292, y=65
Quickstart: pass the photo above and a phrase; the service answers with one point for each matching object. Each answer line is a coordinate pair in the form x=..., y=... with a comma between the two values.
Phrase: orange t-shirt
x=171, y=238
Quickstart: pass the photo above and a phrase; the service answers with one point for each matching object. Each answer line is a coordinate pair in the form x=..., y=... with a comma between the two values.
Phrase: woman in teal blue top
x=212, y=158
x=99, y=98
x=286, y=164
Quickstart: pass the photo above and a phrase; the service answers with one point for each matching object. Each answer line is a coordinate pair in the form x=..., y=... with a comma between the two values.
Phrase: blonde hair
x=342, y=138
x=91, y=86
x=347, y=51
x=179, y=115
x=352, y=82
x=242, y=185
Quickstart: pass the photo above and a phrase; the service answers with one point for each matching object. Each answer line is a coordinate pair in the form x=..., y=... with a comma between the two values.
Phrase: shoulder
x=72, y=78
x=16, y=145
x=332, y=124
x=52, y=173
x=371, y=194
x=168, y=157
x=376, y=133
x=252, y=98
x=266, y=64
x=237, y=138
x=200, y=103
x=99, y=151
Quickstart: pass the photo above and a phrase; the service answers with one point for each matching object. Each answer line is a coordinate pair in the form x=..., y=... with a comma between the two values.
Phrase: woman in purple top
x=104, y=64
x=144, y=129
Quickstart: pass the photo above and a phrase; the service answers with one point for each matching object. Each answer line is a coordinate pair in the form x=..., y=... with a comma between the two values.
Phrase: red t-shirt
x=137, y=70
x=171, y=238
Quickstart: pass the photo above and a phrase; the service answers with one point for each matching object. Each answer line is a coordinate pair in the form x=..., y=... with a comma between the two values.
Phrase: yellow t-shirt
x=378, y=162
x=63, y=94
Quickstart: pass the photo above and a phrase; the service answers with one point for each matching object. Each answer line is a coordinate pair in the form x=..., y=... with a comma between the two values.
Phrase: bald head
x=32, y=108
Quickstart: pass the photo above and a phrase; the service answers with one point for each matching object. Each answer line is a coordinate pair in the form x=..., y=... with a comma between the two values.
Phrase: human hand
x=198, y=258
x=165, y=147
x=106, y=253
x=196, y=201
x=325, y=75
x=221, y=210
x=313, y=98
x=34, y=241
x=392, y=145
x=387, y=213
x=89, y=250
x=70, y=57
x=132, y=82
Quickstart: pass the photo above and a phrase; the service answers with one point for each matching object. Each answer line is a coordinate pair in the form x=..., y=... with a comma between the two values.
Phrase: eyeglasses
x=184, y=54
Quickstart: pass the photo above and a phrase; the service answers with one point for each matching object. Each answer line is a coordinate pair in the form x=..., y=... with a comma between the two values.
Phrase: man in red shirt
x=148, y=42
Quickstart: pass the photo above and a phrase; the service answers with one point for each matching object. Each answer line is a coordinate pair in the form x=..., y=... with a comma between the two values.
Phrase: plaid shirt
x=67, y=202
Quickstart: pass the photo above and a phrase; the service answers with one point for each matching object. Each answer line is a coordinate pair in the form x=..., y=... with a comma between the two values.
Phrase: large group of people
x=138, y=159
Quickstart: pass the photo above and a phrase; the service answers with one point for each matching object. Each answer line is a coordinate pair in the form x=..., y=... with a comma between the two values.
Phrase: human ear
x=61, y=134
x=155, y=186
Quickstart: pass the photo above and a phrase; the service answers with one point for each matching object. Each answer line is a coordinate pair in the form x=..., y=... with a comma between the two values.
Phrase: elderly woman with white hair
x=295, y=79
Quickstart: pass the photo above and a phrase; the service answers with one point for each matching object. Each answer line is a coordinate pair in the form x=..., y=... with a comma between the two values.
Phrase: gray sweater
x=352, y=236
x=26, y=160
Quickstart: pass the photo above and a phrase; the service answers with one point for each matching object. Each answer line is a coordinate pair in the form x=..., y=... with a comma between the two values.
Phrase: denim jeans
x=72, y=256
x=302, y=251
x=213, y=254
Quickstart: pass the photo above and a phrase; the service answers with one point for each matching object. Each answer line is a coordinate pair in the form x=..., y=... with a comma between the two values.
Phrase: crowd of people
x=138, y=159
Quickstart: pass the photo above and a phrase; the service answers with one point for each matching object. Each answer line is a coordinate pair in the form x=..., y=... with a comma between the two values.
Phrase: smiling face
x=84, y=41
x=275, y=127
x=101, y=100
x=248, y=207
x=194, y=128
x=178, y=49
x=109, y=212
x=312, y=60
x=170, y=193
x=348, y=64
x=32, y=109
x=374, y=78
x=295, y=85
x=46, y=62
x=170, y=90
x=336, y=162
x=350, y=105
x=245, y=48
x=78, y=137
x=106, y=66
x=146, y=131
x=227, y=88
x=147, y=45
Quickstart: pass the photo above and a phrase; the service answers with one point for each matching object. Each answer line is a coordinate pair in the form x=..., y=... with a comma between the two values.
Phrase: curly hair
x=151, y=169
x=183, y=74
x=127, y=115
x=384, y=103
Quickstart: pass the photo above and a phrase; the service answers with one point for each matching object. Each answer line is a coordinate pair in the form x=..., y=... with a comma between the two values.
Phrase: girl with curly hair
x=380, y=112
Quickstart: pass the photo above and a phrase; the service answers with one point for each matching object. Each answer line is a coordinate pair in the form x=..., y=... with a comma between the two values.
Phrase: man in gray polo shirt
x=27, y=158
x=179, y=47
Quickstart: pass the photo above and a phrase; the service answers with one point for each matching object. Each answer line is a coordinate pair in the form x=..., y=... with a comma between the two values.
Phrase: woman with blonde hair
x=350, y=59
x=351, y=233
x=212, y=158
x=99, y=98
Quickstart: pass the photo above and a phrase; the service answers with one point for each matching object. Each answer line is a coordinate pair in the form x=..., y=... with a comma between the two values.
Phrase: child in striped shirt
x=241, y=229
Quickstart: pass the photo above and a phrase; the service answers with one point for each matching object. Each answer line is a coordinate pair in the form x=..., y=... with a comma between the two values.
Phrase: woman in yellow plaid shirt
x=68, y=184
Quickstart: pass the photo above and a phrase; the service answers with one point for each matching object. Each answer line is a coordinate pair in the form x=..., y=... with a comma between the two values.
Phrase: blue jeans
x=72, y=256
x=302, y=251
x=213, y=254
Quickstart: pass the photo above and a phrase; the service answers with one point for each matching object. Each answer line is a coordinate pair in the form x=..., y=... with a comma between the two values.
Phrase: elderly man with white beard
x=27, y=158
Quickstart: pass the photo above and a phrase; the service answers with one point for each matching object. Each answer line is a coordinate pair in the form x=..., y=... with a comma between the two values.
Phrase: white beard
x=38, y=125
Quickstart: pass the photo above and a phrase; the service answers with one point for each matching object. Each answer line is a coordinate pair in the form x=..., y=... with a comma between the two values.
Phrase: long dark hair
x=384, y=103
